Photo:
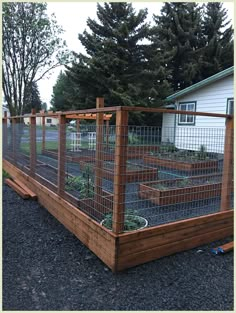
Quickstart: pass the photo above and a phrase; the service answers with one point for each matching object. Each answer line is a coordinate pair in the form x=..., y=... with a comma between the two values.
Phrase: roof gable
x=202, y=83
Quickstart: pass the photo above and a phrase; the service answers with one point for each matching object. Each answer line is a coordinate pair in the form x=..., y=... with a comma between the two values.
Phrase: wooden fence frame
x=114, y=248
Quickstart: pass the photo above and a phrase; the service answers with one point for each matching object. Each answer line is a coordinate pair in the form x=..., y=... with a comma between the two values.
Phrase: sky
x=72, y=16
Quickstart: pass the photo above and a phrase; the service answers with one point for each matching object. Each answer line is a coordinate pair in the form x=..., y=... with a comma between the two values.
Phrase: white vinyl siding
x=208, y=131
x=168, y=128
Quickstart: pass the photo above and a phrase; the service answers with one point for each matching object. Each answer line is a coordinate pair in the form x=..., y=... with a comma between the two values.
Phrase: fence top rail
x=120, y=108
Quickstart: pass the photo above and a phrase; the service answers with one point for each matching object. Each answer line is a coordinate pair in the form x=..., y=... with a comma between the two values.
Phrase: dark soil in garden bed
x=45, y=267
x=187, y=182
x=187, y=156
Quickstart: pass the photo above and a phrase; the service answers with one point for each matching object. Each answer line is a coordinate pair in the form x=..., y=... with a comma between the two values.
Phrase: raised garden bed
x=76, y=157
x=134, y=172
x=164, y=192
x=185, y=160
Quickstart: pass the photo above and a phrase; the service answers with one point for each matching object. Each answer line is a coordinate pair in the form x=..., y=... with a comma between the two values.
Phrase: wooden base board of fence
x=123, y=251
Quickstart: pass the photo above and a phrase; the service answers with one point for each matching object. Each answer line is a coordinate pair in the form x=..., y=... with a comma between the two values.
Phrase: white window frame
x=187, y=104
x=230, y=106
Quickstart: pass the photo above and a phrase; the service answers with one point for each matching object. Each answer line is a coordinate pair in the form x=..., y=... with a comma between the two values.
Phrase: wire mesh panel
x=128, y=177
x=47, y=139
x=165, y=180
x=87, y=184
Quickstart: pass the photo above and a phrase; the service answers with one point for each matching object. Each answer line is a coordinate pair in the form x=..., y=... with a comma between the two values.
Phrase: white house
x=49, y=121
x=213, y=95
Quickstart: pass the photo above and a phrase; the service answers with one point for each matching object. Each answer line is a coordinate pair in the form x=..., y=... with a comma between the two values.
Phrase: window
x=230, y=106
x=48, y=120
x=184, y=118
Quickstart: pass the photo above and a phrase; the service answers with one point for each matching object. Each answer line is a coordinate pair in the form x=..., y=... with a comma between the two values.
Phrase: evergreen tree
x=32, y=98
x=117, y=66
x=63, y=98
x=218, y=52
x=177, y=34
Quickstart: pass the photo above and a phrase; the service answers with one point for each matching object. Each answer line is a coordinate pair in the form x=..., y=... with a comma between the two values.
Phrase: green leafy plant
x=202, y=154
x=168, y=148
x=83, y=184
x=5, y=174
x=131, y=222
x=183, y=183
x=133, y=139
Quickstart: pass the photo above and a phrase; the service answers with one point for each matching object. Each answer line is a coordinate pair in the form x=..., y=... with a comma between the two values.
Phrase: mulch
x=45, y=267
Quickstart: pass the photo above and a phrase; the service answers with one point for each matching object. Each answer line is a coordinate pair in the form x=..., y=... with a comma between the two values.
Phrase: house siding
x=168, y=131
x=207, y=131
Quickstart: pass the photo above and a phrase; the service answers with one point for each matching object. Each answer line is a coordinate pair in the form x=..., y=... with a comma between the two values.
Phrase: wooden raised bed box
x=89, y=206
x=76, y=157
x=123, y=251
x=181, y=165
x=164, y=192
x=139, y=173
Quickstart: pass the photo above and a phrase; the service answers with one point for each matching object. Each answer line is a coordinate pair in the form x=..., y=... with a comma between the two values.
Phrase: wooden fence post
x=120, y=171
x=227, y=166
x=33, y=151
x=43, y=133
x=98, y=155
x=107, y=134
x=61, y=155
x=5, y=135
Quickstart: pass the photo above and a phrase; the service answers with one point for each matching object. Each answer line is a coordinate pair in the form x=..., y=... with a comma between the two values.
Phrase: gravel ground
x=45, y=267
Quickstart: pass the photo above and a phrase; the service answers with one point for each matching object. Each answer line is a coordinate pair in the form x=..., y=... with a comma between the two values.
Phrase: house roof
x=202, y=83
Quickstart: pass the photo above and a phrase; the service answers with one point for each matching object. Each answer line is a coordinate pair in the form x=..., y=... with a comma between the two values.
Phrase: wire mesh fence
x=127, y=176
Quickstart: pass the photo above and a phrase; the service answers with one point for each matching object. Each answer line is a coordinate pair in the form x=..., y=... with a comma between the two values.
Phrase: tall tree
x=117, y=63
x=64, y=94
x=177, y=34
x=218, y=50
x=31, y=48
x=32, y=98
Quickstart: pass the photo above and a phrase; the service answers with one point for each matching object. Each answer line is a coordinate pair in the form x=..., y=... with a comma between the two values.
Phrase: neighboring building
x=213, y=95
x=5, y=109
x=49, y=121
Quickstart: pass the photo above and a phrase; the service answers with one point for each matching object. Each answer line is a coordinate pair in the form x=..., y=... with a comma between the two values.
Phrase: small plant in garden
x=184, y=183
x=131, y=222
x=83, y=184
x=202, y=154
x=133, y=139
x=168, y=148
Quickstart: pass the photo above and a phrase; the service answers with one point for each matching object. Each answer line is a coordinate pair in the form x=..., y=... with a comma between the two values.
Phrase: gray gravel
x=45, y=267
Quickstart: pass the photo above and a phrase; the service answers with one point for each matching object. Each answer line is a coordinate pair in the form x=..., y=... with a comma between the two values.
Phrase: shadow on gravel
x=45, y=267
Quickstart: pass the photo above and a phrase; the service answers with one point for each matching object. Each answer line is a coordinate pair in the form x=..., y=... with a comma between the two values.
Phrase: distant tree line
x=128, y=62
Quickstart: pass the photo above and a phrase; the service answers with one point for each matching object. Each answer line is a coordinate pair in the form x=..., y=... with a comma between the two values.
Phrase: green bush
x=131, y=222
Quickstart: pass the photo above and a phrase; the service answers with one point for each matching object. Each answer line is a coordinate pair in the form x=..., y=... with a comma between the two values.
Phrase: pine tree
x=63, y=97
x=179, y=36
x=218, y=52
x=117, y=66
x=32, y=98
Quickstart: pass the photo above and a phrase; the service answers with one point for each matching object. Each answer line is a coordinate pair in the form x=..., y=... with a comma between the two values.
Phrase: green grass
x=25, y=147
x=5, y=174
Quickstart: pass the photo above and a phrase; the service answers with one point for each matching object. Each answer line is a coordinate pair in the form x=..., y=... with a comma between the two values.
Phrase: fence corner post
x=227, y=165
x=120, y=171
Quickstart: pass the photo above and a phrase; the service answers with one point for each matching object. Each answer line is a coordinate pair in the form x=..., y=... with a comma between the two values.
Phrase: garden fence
x=161, y=174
